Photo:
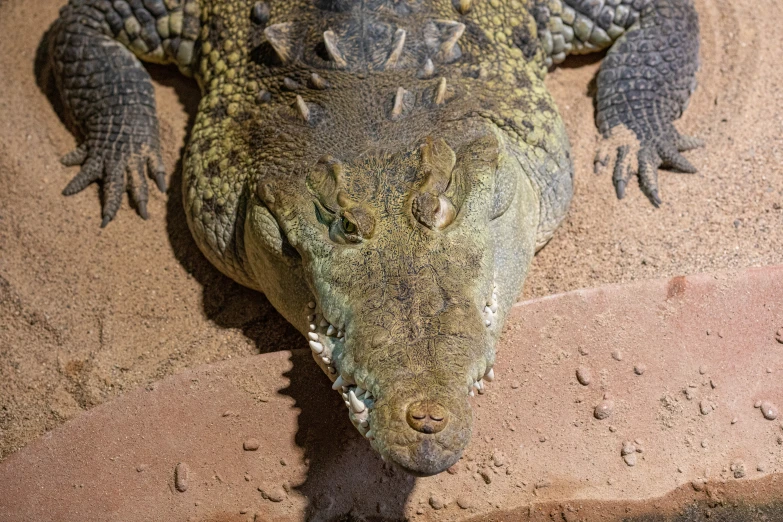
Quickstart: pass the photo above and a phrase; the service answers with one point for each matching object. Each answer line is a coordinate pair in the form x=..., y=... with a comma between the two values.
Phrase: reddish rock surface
x=689, y=423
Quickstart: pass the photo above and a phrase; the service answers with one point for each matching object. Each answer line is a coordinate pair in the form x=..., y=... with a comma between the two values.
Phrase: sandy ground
x=86, y=314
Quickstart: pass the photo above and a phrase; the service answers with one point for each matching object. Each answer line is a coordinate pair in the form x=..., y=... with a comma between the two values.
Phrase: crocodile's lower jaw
x=326, y=342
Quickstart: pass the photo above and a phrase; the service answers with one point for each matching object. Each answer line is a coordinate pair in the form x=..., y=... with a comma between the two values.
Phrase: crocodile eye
x=348, y=226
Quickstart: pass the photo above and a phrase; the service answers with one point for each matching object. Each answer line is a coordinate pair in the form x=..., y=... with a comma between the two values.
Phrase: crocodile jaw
x=377, y=410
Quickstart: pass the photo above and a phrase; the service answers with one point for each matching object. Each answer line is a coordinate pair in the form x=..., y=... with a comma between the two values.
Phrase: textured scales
x=383, y=170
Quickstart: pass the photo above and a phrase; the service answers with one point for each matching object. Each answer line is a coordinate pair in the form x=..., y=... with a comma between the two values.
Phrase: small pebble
x=628, y=448
x=699, y=485
x=639, y=369
x=585, y=351
x=757, y=404
x=514, y=385
x=769, y=410
x=181, y=477
x=702, y=370
x=228, y=413
x=617, y=355
x=734, y=420
x=738, y=468
x=761, y=468
x=704, y=444
x=486, y=476
x=244, y=511
x=779, y=335
x=453, y=470
x=584, y=375
x=251, y=445
x=141, y=468
x=436, y=503
x=603, y=410
x=497, y=459
x=706, y=407
x=630, y=459
x=273, y=494
x=464, y=502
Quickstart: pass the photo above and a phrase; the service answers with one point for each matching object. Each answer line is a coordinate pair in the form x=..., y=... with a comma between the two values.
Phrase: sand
x=86, y=314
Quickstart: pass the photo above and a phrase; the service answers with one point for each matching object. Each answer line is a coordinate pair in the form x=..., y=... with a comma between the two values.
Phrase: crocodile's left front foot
x=627, y=155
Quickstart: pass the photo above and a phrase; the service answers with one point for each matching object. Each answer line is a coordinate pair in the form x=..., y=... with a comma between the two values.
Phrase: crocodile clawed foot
x=627, y=156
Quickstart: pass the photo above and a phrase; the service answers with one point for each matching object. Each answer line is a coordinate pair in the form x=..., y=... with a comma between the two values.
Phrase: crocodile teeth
x=338, y=383
x=356, y=405
x=313, y=336
x=311, y=305
x=490, y=375
x=331, y=330
x=316, y=347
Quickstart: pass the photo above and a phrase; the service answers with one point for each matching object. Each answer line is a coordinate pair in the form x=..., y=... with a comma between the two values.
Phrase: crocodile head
x=396, y=258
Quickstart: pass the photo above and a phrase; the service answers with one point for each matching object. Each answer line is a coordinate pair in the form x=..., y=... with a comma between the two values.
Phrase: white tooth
x=311, y=304
x=361, y=416
x=345, y=398
x=330, y=331
x=338, y=383
x=369, y=434
x=332, y=370
x=494, y=297
x=313, y=336
x=340, y=334
x=326, y=360
x=490, y=375
x=488, y=322
x=311, y=318
x=323, y=322
x=487, y=310
x=312, y=327
x=316, y=347
x=356, y=405
x=364, y=423
x=359, y=390
x=494, y=308
x=471, y=393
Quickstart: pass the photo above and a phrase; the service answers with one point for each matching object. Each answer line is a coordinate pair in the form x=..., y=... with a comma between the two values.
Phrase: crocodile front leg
x=644, y=83
x=108, y=93
x=643, y=86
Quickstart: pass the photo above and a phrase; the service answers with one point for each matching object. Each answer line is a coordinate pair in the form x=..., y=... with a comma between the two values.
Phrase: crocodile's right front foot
x=119, y=157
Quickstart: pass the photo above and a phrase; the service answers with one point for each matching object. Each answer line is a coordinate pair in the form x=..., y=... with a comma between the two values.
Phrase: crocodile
x=382, y=170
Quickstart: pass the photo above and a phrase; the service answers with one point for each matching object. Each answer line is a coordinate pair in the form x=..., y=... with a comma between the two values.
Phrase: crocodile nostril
x=427, y=417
